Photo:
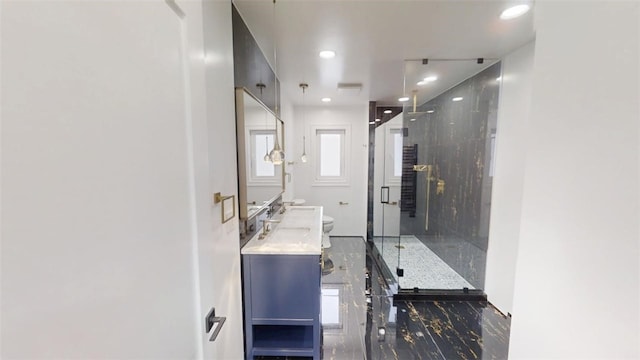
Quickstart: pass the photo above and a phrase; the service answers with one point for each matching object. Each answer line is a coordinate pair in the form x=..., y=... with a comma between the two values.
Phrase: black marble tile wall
x=456, y=138
x=250, y=65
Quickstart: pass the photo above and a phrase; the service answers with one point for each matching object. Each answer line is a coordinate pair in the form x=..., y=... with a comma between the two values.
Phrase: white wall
x=290, y=151
x=508, y=178
x=577, y=281
x=111, y=247
x=351, y=219
x=218, y=245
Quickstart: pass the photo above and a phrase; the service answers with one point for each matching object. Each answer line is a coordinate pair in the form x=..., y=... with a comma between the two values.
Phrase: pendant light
x=303, y=158
x=266, y=157
x=276, y=155
x=404, y=97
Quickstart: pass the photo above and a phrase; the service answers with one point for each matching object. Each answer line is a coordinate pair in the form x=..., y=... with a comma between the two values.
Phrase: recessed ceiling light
x=327, y=54
x=459, y=98
x=426, y=80
x=412, y=120
x=430, y=111
x=403, y=99
x=377, y=119
x=387, y=111
x=371, y=122
x=326, y=99
x=514, y=11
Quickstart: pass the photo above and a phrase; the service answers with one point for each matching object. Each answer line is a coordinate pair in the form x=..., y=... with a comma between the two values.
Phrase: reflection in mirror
x=260, y=180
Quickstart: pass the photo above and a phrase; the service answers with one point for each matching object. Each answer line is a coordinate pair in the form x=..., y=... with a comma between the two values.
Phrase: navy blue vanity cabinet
x=282, y=305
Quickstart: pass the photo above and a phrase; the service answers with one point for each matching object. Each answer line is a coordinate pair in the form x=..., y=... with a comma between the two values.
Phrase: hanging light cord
x=404, y=77
x=275, y=54
x=276, y=154
x=303, y=158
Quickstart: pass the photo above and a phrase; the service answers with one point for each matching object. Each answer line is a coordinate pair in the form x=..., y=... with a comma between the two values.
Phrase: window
x=397, y=152
x=393, y=165
x=261, y=172
x=331, y=144
x=261, y=141
x=331, y=149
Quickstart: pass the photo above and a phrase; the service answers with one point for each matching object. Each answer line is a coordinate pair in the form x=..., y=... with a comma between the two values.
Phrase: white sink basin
x=299, y=232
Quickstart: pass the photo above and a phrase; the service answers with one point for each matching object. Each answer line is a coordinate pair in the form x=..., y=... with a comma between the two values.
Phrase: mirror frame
x=242, y=142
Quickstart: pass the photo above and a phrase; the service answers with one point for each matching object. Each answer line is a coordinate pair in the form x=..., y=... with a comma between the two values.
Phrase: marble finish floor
x=358, y=306
x=422, y=267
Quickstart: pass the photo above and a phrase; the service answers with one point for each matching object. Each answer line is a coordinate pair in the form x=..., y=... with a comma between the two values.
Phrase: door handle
x=211, y=320
x=344, y=203
x=220, y=321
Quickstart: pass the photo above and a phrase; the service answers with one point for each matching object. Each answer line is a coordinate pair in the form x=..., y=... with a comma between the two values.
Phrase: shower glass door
x=436, y=237
x=387, y=185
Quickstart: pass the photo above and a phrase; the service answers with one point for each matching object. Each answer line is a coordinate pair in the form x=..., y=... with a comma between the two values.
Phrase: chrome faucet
x=265, y=227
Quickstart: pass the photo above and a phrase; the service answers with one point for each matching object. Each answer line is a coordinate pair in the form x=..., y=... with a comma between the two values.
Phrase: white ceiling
x=373, y=39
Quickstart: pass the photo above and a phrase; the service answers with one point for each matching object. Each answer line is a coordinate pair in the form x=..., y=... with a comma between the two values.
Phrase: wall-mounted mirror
x=260, y=181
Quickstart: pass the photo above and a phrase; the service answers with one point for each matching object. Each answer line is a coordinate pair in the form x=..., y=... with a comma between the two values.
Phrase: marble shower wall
x=457, y=139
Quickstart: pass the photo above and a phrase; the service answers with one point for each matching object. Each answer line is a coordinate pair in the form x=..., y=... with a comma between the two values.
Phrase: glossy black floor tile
x=362, y=322
x=463, y=329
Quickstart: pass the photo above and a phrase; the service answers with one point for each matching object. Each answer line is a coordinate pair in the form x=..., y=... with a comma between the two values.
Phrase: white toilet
x=327, y=226
x=327, y=263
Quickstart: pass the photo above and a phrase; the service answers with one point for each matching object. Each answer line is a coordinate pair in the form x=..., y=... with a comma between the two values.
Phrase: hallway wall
x=114, y=131
x=510, y=157
x=577, y=280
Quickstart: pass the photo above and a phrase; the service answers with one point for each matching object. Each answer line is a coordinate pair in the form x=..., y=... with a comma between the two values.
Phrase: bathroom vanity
x=282, y=290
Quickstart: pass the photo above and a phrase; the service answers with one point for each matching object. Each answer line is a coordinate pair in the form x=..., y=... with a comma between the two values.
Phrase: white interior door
x=96, y=226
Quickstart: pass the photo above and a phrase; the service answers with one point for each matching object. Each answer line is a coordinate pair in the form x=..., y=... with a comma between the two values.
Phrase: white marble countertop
x=299, y=232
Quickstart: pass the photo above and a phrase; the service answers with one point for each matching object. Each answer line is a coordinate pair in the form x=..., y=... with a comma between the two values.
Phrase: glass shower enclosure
x=432, y=180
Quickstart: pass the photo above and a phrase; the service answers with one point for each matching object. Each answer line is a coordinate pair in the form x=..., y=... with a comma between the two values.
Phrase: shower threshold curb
x=434, y=295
